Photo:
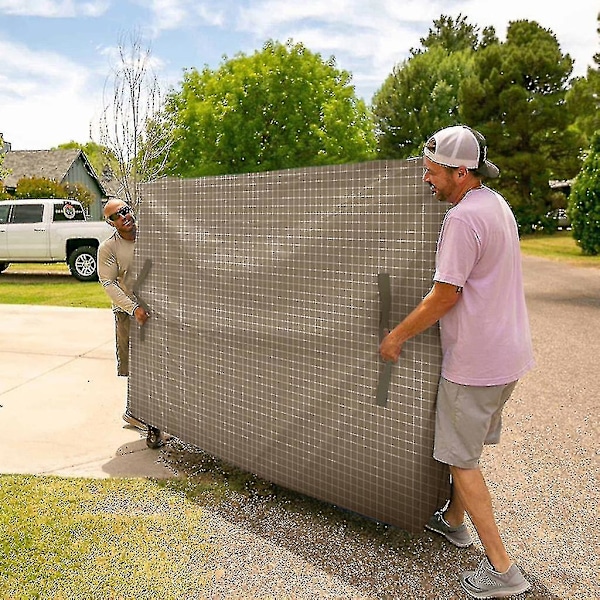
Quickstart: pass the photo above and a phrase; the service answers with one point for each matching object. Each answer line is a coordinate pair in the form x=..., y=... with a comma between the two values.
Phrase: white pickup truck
x=50, y=230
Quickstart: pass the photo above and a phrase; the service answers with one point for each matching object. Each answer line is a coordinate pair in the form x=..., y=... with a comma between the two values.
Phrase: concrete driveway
x=61, y=400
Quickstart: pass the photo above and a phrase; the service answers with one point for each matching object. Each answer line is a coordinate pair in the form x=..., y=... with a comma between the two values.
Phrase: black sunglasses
x=124, y=210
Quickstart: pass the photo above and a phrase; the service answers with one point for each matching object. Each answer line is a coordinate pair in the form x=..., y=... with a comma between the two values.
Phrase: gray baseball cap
x=460, y=146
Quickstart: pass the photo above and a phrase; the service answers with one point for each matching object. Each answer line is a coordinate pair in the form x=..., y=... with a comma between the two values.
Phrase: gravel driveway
x=543, y=477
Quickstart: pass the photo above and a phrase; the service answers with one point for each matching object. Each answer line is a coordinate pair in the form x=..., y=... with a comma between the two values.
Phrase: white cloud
x=266, y=15
x=46, y=91
x=210, y=13
x=54, y=8
x=167, y=14
x=176, y=14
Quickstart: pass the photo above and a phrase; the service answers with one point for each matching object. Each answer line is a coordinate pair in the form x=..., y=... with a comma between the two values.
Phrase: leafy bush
x=79, y=192
x=532, y=217
x=40, y=187
x=584, y=203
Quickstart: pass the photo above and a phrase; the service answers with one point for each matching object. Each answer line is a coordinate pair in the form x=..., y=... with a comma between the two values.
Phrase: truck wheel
x=3, y=266
x=83, y=264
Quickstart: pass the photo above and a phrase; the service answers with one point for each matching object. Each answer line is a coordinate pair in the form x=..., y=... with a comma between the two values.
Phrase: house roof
x=50, y=164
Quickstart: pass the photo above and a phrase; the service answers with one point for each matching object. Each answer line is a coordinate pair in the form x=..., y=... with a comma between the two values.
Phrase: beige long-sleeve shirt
x=115, y=259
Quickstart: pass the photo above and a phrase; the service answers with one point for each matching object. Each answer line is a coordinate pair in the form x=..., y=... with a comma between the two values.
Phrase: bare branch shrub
x=133, y=125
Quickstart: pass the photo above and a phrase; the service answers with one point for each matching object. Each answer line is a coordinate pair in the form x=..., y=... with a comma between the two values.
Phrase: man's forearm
x=440, y=299
x=421, y=318
x=118, y=296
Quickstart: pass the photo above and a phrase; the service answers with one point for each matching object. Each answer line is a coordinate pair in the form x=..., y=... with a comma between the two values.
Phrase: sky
x=57, y=55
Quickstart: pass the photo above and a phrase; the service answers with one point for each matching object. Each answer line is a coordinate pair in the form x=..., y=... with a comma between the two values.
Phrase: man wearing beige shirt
x=115, y=259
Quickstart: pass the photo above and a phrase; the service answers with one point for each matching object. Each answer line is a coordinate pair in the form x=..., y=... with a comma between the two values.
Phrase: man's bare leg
x=454, y=514
x=470, y=493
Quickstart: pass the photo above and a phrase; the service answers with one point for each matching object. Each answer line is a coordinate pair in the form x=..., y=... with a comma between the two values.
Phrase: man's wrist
x=398, y=335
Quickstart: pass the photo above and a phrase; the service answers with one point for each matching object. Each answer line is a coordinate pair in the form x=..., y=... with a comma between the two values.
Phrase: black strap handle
x=385, y=305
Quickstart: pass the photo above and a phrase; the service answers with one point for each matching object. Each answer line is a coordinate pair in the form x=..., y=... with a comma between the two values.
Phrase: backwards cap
x=460, y=146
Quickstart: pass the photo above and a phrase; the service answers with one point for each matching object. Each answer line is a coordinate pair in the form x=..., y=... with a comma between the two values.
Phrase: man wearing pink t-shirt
x=478, y=299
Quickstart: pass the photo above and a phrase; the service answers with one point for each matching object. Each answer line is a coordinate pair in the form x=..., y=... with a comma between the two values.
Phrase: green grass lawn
x=561, y=246
x=64, y=538
x=49, y=285
x=121, y=538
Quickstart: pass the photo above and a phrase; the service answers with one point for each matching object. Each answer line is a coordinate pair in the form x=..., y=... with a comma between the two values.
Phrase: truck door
x=4, y=212
x=27, y=233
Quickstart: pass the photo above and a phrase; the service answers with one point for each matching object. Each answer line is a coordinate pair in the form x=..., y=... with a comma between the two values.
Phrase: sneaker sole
x=132, y=422
x=453, y=542
x=495, y=593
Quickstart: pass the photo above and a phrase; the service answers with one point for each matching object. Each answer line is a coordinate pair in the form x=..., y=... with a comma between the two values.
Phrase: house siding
x=79, y=174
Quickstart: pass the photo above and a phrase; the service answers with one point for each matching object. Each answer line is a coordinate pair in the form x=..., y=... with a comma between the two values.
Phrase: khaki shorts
x=467, y=418
x=122, y=328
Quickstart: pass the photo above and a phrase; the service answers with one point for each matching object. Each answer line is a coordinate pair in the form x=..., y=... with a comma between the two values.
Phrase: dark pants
x=122, y=327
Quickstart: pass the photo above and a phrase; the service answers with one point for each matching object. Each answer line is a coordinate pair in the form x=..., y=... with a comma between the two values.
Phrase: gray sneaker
x=487, y=583
x=459, y=536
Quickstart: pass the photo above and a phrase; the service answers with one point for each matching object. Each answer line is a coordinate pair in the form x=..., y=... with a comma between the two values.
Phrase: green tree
x=421, y=94
x=279, y=108
x=417, y=99
x=583, y=101
x=451, y=35
x=584, y=202
x=515, y=97
x=3, y=172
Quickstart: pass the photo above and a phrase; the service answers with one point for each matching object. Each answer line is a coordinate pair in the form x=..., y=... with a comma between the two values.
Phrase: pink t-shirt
x=485, y=337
